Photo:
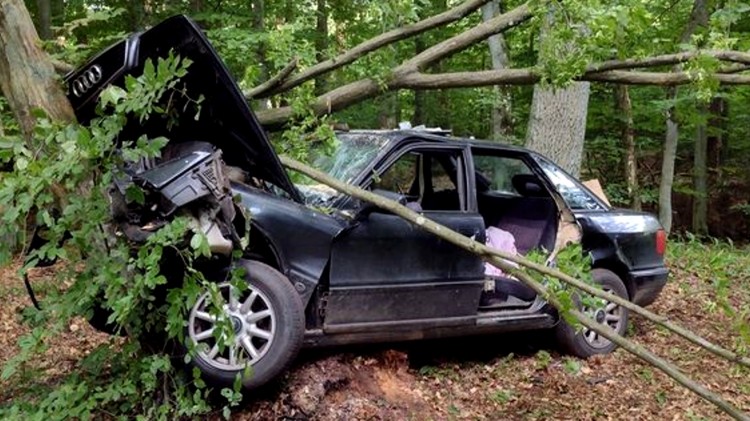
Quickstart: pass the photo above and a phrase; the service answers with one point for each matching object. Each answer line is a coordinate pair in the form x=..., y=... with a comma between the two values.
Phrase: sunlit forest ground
x=517, y=376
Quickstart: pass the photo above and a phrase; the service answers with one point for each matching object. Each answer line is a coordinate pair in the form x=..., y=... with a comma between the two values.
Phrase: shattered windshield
x=349, y=156
x=574, y=194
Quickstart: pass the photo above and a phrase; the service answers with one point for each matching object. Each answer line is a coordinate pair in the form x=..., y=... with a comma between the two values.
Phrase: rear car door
x=386, y=272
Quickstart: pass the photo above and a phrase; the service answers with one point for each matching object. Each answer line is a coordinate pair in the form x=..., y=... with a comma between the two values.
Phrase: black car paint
x=419, y=293
x=389, y=285
x=225, y=118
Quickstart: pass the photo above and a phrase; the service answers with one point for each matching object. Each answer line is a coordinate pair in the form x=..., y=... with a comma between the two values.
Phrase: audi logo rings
x=86, y=80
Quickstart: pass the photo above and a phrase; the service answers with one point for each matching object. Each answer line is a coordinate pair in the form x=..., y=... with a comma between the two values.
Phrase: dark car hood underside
x=225, y=119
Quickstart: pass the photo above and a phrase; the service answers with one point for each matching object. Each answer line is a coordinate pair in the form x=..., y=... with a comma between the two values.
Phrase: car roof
x=435, y=136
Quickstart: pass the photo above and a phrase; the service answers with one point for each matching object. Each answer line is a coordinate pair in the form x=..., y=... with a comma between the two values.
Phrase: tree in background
x=405, y=75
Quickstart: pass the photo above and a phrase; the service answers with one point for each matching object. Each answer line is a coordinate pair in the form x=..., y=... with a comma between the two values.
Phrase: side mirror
x=367, y=208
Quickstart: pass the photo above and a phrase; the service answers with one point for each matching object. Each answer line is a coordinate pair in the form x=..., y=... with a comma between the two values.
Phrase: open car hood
x=225, y=118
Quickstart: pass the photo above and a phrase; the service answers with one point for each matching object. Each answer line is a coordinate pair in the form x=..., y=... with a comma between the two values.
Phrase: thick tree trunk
x=258, y=16
x=58, y=12
x=196, y=6
x=321, y=43
x=420, y=97
x=667, y=166
x=501, y=117
x=136, y=13
x=698, y=18
x=44, y=18
x=389, y=113
x=557, y=124
x=700, y=175
x=557, y=119
x=27, y=78
x=625, y=110
x=717, y=135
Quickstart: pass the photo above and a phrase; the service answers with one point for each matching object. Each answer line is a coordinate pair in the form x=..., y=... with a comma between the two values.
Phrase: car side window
x=399, y=177
x=495, y=173
x=426, y=178
x=575, y=195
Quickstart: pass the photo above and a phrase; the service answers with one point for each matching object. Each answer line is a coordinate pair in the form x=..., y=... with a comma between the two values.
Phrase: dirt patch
x=508, y=377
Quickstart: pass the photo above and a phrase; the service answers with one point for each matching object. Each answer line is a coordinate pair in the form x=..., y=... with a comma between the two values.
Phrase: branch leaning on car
x=498, y=258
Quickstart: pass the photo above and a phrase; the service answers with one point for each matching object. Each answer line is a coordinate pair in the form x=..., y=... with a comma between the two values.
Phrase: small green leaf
x=135, y=194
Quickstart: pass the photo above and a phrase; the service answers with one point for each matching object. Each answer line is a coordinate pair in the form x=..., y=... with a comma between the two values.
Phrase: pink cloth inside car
x=500, y=240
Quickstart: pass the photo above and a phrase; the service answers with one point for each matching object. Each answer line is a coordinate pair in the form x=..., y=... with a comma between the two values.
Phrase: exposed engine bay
x=189, y=179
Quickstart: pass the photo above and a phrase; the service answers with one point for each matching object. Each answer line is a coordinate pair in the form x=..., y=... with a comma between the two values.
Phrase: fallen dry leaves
x=505, y=377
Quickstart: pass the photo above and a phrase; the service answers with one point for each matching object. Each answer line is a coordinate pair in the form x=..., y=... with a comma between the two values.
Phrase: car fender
x=298, y=237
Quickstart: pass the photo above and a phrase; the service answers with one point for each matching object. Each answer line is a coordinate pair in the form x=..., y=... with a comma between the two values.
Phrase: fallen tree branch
x=275, y=81
x=62, y=67
x=670, y=59
x=497, y=258
x=466, y=39
x=735, y=68
x=660, y=79
x=376, y=43
x=361, y=90
x=628, y=345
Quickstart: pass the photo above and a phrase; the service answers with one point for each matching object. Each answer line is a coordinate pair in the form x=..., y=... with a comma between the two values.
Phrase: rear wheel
x=585, y=342
x=268, y=322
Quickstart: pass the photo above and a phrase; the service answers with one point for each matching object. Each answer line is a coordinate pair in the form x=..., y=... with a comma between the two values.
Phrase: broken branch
x=466, y=39
x=670, y=59
x=276, y=80
x=376, y=43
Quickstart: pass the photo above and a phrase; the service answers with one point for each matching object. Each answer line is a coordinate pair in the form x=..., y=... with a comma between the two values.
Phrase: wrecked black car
x=324, y=269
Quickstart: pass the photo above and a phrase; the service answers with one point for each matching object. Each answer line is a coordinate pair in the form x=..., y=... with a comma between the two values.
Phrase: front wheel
x=585, y=342
x=268, y=322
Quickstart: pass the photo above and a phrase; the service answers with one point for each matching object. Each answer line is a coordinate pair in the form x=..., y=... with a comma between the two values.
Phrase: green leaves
x=101, y=269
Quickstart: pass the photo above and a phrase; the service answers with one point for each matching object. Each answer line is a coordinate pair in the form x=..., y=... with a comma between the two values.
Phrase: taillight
x=661, y=242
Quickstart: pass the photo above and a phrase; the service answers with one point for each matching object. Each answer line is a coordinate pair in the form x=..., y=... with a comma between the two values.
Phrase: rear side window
x=495, y=173
x=575, y=195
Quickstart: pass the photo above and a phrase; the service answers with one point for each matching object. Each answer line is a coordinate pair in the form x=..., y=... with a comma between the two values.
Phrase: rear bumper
x=648, y=284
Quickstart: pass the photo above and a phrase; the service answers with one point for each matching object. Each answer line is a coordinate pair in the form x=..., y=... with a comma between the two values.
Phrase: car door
x=386, y=272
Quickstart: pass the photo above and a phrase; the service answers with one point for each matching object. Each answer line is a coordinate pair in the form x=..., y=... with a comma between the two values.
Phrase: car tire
x=584, y=343
x=282, y=321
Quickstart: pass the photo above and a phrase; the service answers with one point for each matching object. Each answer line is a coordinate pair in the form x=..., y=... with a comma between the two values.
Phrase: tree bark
x=557, y=119
x=700, y=175
x=625, y=111
x=27, y=77
x=557, y=124
x=420, y=97
x=136, y=12
x=44, y=18
x=698, y=17
x=377, y=42
x=367, y=88
x=321, y=43
x=196, y=6
x=361, y=90
x=258, y=16
x=669, y=156
x=500, y=259
x=58, y=12
x=501, y=117
x=717, y=130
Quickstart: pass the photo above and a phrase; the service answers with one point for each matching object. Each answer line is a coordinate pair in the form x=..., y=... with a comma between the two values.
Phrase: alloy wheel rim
x=254, y=322
x=610, y=315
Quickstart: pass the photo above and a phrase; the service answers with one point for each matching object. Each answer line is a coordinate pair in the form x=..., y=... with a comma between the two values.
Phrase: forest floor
x=513, y=377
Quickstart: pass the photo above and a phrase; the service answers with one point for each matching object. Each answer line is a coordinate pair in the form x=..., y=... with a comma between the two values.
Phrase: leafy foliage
x=59, y=184
x=725, y=270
